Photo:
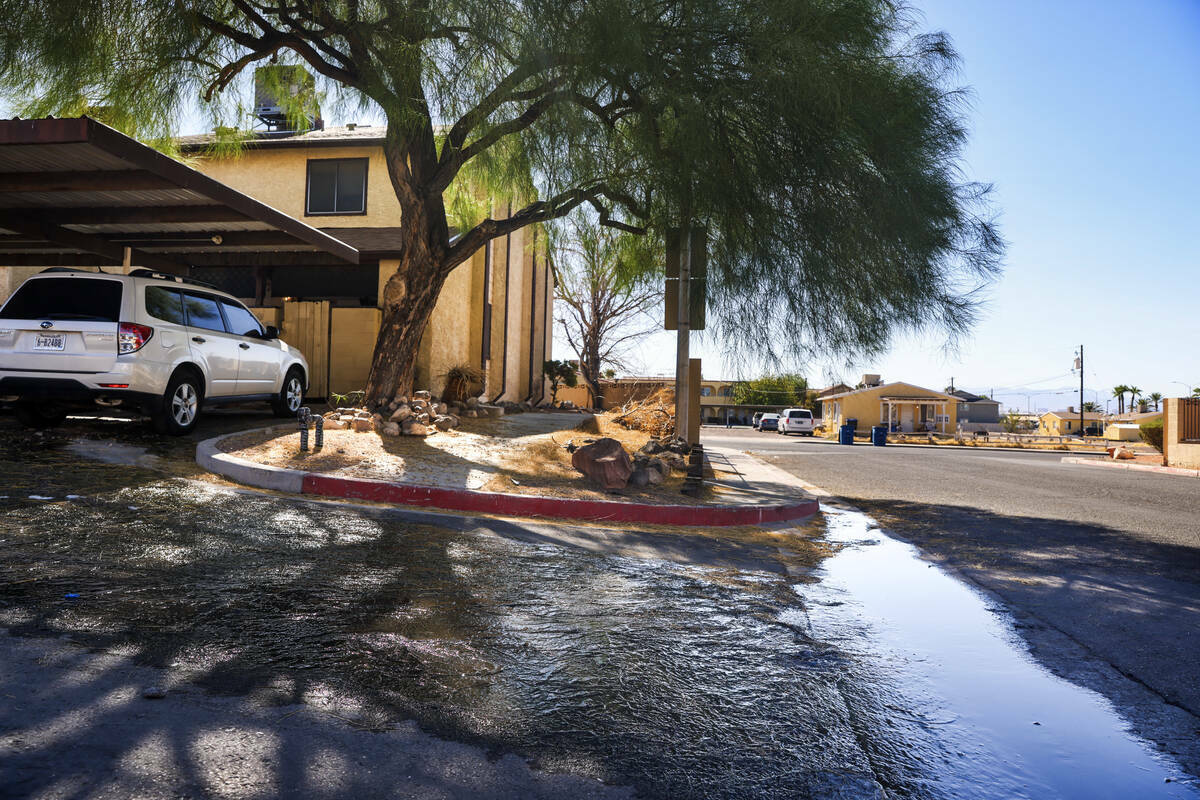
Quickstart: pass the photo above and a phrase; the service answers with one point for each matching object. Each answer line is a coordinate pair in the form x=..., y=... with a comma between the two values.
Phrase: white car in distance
x=796, y=420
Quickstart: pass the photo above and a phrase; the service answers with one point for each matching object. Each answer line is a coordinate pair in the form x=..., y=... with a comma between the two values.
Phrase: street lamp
x=1191, y=389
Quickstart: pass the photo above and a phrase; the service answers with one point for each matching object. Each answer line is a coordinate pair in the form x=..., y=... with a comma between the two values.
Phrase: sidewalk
x=1111, y=464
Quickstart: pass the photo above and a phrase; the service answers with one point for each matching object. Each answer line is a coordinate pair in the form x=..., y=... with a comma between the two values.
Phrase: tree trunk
x=409, y=298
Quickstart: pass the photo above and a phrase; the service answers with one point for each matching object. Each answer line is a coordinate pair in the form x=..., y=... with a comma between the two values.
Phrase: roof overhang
x=75, y=191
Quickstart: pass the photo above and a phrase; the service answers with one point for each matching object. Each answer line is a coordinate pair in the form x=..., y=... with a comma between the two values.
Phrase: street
x=1108, y=560
x=330, y=649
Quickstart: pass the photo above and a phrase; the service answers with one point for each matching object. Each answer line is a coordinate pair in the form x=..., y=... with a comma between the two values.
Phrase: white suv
x=796, y=420
x=146, y=341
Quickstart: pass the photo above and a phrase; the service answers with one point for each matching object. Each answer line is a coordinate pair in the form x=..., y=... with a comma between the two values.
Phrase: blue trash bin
x=879, y=434
x=846, y=435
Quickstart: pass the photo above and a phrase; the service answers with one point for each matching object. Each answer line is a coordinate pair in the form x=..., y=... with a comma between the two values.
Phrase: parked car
x=155, y=343
x=758, y=415
x=796, y=420
x=768, y=422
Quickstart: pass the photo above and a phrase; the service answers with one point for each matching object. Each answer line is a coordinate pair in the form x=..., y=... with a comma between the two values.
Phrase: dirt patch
x=489, y=455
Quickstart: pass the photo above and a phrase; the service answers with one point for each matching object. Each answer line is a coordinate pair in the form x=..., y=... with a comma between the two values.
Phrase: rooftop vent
x=871, y=380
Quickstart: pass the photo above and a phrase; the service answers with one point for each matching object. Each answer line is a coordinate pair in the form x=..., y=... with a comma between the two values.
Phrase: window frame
x=220, y=312
x=262, y=329
x=308, y=212
x=173, y=290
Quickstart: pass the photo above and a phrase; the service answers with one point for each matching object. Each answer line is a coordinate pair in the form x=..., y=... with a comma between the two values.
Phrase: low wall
x=1177, y=453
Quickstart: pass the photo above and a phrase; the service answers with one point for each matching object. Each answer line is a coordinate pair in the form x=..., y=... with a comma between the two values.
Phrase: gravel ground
x=1098, y=564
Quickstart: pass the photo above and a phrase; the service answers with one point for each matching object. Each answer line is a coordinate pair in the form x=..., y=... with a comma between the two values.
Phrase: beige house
x=901, y=407
x=494, y=313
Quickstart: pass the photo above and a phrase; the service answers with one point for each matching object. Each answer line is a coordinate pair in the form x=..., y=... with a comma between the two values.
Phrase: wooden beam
x=118, y=180
x=134, y=215
x=204, y=239
x=91, y=243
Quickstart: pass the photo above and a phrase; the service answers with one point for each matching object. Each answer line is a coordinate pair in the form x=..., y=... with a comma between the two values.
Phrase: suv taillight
x=131, y=337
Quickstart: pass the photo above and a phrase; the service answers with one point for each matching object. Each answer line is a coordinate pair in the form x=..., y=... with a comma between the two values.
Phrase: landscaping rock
x=441, y=409
x=411, y=428
x=639, y=478
x=605, y=462
x=401, y=399
x=401, y=413
x=336, y=425
x=470, y=413
x=391, y=429
x=472, y=402
x=1123, y=454
x=652, y=447
x=423, y=395
x=362, y=425
x=492, y=411
x=443, y=422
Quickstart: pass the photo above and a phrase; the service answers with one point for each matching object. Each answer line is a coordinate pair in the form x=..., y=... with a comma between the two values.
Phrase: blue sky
x=1087, y=119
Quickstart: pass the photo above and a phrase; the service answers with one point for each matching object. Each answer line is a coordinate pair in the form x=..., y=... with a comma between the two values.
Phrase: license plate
x=51, y=341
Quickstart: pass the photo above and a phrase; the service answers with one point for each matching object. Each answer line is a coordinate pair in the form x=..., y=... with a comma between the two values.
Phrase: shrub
x=1152, y=433
x=462, y=382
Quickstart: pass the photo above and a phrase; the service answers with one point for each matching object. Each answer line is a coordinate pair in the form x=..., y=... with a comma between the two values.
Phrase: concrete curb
x=209, y=456
x=1097, y=462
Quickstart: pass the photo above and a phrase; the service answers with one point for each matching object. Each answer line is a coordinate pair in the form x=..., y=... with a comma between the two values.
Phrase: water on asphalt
x=881, y=674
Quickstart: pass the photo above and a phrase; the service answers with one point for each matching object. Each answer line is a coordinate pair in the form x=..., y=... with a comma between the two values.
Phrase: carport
x=75, y=192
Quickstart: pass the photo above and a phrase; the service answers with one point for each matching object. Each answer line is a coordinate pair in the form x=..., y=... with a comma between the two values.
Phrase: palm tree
x=1134, y=394
x=1196, y=392
x=1156, y=398
x=1119, y=392
x=1091, y=407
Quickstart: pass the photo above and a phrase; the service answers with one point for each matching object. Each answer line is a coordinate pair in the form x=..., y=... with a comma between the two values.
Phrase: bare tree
x=607, y=299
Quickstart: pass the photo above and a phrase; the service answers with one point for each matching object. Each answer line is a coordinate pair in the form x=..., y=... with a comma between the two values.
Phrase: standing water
x=970, y=713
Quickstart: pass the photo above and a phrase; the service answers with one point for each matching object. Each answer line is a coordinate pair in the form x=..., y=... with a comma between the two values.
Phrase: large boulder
x=363, y=425
x=401, y=413
x=605, y=462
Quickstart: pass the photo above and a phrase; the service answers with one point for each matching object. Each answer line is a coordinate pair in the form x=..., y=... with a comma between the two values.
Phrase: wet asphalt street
x=574, y=663
x=1109, y=558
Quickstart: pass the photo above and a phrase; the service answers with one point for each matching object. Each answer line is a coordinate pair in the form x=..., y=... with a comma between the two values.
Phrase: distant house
x=902, y=407
x=975, y=407
x=1066, y=423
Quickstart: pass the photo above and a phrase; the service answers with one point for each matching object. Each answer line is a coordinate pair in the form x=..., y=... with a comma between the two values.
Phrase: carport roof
x=74, y=191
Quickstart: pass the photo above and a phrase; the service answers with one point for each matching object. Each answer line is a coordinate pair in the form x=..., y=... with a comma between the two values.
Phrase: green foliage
x=820, y=143
x=560, y=373
x=354, y=399
x=1091, y=406
x=1152, y=433
x=1012, y=422
x=788, y=390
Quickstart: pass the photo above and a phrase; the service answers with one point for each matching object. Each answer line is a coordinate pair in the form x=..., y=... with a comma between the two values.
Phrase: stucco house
x=495, y=311
x=975, y=408
x=902, y=407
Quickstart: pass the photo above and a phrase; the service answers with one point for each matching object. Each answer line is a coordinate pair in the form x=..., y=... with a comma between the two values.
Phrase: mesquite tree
x=817, y=140
x=606, y=299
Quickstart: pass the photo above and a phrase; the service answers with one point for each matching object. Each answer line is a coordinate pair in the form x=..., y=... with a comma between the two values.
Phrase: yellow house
x=495, y=311
x=1066, y=423
x=902, y=407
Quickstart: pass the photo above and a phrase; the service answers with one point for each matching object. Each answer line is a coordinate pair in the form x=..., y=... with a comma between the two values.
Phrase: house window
x=337, y=186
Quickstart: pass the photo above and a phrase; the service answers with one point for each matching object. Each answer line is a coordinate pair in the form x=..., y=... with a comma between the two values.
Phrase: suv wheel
x=180, y=405
x=39, y=415
x=291, y=396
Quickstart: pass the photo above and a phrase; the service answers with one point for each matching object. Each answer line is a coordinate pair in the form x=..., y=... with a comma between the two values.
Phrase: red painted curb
x=556, y=507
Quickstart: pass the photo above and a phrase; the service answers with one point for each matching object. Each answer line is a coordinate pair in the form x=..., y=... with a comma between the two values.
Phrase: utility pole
x=1081, y=391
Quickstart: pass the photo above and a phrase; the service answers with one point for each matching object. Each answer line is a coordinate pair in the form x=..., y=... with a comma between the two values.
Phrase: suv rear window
x=65, y=298
x=799, y=413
